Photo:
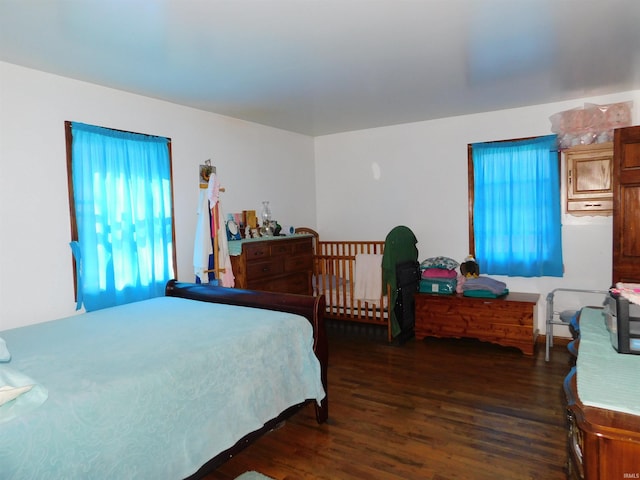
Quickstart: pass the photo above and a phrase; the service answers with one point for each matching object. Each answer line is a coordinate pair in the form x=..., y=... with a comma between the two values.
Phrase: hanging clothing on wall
x=213, y=195
x=202, y=246
x=226, y=278
x=219, y=230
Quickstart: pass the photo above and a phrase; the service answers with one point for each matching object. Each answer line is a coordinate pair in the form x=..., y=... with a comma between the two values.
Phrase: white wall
x=254, y=163
x=369, y=181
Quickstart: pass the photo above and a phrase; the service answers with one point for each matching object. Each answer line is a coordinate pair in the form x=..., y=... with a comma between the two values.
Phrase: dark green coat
x=399, y=246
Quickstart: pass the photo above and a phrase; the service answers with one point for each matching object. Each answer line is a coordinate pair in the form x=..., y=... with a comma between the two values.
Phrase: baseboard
x=562, y=341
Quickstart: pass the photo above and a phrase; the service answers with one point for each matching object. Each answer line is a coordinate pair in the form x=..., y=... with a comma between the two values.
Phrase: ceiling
x=325, y=66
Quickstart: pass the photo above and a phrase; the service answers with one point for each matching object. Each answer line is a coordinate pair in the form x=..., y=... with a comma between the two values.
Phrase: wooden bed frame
x=312, y=308
x=334, y=260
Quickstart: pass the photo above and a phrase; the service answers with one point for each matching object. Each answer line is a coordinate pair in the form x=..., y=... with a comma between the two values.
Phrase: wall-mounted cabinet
x=589, y=185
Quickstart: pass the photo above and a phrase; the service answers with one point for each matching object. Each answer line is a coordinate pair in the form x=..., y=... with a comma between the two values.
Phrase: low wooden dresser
x=508, y=321
x=273, y=264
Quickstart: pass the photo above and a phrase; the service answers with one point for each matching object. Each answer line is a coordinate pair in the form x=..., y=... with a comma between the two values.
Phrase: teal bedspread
x=605, y=379
x=152, y=389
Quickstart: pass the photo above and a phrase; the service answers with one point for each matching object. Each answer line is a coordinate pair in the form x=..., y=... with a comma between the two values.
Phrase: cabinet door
x=589, y=179
x=626, y=205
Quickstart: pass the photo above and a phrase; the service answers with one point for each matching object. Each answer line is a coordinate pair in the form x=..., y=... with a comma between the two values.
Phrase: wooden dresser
x=277, y=264
x=602, y=407
x=507, y=321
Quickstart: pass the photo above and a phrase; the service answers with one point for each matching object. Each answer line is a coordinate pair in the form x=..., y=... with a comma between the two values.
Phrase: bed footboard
x=312, y=308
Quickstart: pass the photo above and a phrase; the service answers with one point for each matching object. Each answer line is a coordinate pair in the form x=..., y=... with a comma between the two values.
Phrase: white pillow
x=5, y=356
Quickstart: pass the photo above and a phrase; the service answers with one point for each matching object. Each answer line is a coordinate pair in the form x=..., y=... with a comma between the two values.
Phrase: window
x=514, y=207
x=121, y=214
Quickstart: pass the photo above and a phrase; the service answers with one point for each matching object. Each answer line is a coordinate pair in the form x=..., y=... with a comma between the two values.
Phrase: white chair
x=561, y=317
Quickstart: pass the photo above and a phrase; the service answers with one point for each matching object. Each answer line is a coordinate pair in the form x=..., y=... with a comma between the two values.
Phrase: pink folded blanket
x=438, y=273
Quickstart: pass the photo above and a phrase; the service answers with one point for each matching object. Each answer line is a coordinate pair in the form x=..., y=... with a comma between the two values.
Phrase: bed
x=165, y=388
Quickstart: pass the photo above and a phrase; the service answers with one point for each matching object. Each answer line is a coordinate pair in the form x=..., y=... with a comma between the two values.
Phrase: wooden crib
x=333, y=276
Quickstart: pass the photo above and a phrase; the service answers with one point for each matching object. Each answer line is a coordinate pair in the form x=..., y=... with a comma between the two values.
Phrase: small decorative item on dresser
x=288, y=230
x=266, y=212
x=267, y=228
x=233, y=231
x=250, y=219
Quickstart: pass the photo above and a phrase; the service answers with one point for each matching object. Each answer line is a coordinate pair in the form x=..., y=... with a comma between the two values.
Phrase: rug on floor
x=253, y=476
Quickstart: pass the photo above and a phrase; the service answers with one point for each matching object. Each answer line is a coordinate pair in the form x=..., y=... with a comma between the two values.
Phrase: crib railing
x=334, y=275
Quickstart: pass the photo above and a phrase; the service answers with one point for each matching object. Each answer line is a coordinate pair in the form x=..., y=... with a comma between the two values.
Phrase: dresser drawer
x=296, y=283
x=256, y=250
x=302, y=247
x=592, y=206
x=575, y=445
x=281, y=248
x=298, y=263
x=267, y=268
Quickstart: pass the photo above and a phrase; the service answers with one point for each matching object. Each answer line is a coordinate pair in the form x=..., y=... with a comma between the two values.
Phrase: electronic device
x=623, y=323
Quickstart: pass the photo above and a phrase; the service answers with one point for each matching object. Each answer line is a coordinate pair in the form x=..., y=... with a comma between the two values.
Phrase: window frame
x=471, y=185
x=72, y=207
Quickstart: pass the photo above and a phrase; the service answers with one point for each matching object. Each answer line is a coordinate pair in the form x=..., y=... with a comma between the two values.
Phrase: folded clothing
x=438, y=273
x=630, y=291
x=461, y=279
x=440, y=262
x=485, y=283
x=485, y=293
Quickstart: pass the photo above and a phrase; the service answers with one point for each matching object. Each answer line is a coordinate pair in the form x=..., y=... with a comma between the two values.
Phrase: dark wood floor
x=432, y=409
